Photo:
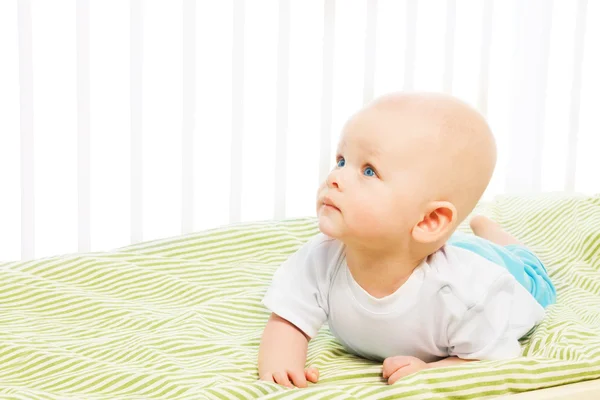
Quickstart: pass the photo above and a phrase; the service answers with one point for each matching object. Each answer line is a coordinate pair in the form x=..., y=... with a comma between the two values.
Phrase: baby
x=388, y=272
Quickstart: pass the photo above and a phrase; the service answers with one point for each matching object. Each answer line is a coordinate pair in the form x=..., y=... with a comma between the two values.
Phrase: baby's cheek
x=369, y=219
x=379, y=215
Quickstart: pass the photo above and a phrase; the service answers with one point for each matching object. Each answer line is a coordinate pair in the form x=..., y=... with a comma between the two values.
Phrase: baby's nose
x=333, y=179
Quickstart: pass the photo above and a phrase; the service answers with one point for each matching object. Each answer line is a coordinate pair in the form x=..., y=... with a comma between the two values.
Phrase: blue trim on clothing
x=521, y=262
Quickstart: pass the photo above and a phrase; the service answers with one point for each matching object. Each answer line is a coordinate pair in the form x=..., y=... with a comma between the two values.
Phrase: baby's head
x=410, y=168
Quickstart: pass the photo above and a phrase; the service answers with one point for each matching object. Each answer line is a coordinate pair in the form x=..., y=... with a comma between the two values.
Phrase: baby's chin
x=329, y=227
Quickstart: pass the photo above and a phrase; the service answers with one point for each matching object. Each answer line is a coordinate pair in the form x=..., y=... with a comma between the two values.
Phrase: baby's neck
x=378, y=272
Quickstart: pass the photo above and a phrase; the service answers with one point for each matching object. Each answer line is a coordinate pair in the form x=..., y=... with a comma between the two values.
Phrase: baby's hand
x=398, y=367
x=292, y=378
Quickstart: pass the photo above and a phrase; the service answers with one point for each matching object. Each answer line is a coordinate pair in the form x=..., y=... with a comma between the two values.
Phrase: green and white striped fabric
x=181, y=318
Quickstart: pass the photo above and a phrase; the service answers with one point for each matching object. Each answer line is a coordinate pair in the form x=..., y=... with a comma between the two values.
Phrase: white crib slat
x=486, y=42
x=83, y=124
x=136, y=60
x=575, y=96
x=370, y=51
x=529, y=80
x=27, y=137
x=410, y=52
x=449, y=45
x=543, y=43
x=188, y=118
x=327, y=89
x=237, y=111
x=283, y=61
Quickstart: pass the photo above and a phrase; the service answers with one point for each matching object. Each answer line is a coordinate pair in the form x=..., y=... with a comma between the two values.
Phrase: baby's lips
x=328, y=202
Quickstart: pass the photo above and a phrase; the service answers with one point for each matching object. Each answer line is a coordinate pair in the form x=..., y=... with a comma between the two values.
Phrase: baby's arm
x=297, y=301
x=447, y=362
x=398, y=367
x=282, y=354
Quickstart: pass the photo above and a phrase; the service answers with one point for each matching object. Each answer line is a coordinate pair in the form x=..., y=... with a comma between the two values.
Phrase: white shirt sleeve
x=298, y=292
x=491, y=329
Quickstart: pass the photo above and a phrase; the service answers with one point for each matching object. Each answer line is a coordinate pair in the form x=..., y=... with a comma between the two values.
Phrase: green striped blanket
x=181, y=318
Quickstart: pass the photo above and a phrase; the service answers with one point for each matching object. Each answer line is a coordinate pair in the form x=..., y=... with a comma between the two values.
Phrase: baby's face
x=376, y=189
x=406, y=161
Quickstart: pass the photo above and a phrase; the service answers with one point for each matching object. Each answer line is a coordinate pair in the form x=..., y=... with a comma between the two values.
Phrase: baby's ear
x=439, y=219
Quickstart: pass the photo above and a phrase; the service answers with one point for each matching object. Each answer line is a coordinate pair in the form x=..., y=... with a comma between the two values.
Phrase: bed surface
x=182, y=318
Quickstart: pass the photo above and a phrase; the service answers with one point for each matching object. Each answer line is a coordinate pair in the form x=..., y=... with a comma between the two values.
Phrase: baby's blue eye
x=369, y=172
x=341, y=162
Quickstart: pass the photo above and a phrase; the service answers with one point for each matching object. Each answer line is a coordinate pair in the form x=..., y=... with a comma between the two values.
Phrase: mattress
x=181, y=318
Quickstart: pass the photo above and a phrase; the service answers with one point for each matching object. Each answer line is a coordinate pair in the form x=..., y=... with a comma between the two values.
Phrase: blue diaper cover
x=525, y=266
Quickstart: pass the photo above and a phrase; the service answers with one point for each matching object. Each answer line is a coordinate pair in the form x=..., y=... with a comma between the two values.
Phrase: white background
x=55, y=106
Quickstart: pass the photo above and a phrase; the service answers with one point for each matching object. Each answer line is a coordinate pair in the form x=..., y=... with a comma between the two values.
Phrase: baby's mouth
x=329, y=204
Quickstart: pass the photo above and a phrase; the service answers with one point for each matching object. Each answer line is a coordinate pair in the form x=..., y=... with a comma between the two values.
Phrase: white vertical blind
x=237, y=111
x=189, y=110
x=162, y=119
x=260, y=135
x=110, y=125
x=305, y=105
x=449, y=45
x=55, y=125
x=486, y=46
x=10, y=139
x=212, y=144
x=529, y=81
x=136, y=95
x=83, y=124
x=27, y=137
x=410, y=53
x=558, y=100
x=281, y=126
x=327, y=88
x=575, y=95
x=588, y=139
x=370, y=51
x=149, y=115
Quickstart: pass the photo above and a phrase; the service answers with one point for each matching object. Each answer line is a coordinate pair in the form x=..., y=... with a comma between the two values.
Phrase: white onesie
x=455, y=303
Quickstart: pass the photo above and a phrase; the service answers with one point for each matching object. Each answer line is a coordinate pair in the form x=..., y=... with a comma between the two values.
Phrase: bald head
x=448, y=142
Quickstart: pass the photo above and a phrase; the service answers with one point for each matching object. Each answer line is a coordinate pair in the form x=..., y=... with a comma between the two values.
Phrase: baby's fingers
x=312, y=374
x=282, y=379
x=393, y=364
x=267, y=377
x=298, y=378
